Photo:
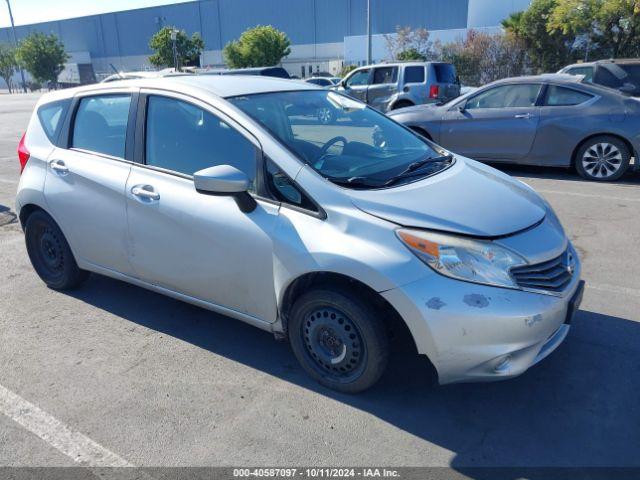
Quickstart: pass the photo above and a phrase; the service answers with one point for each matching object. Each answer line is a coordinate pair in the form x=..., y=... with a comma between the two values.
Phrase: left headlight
x=478, y=261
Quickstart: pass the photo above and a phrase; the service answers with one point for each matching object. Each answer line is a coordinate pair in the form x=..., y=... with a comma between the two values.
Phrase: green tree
x=548, y=50
x=411, y=54
x=8, y=64
x=607, y=27
x=261, y=46
x=43, y=56
x=346, y=70
x=188, y=48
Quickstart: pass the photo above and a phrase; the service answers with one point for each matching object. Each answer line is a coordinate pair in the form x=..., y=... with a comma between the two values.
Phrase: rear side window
x=604, y=77
x=414, y=75
x=184, y=138
x=51, y=116
x=562, y=97
x=101, y=124
x=385, y=75
x=445, y=73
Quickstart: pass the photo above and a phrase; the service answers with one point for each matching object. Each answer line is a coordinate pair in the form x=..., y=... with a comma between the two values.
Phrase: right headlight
x=477, y=261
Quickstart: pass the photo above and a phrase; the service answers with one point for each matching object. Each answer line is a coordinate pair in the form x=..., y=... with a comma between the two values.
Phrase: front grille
x=553, y=275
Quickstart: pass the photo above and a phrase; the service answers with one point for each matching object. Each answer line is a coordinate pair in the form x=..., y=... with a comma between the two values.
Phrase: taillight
x=23, y=153
x=434, y=91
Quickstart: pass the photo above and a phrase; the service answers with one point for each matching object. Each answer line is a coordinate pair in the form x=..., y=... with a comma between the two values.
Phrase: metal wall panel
x=306, y=22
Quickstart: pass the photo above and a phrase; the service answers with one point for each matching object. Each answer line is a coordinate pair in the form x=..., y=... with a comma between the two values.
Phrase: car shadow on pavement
x=579, y=407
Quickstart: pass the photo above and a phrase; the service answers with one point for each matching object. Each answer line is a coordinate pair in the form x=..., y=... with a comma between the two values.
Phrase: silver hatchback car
x=229, y=193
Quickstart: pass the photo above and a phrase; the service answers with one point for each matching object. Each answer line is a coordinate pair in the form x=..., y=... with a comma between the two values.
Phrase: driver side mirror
x=462, y=107
x=225, y=180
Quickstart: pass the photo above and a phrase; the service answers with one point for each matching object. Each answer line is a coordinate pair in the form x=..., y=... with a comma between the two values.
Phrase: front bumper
x=480, y=333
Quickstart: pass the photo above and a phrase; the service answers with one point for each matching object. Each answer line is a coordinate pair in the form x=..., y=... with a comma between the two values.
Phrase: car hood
x=469, y=198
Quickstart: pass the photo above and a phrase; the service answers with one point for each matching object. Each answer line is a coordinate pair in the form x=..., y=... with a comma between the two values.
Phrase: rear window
x=101, y=124
x=414, y=75
x=445, y=73
x=51, y=116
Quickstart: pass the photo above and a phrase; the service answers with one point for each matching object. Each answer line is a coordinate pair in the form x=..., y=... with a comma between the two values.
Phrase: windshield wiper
x=412, y=168
x=355, y=182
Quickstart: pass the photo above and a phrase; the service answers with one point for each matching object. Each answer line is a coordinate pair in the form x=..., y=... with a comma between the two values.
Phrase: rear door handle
x=524, y=115
x=58, y=166
x=145, y=192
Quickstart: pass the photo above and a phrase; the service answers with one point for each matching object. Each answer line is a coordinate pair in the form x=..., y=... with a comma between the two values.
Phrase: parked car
x=277, y=72
x=206, y=190
x=397, y=85
x=548, y=120
x=621, y=74
x=324, y=81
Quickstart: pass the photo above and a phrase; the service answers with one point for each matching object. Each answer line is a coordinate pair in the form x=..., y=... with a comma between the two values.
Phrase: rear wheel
x=603, y=158
x=339, y=340
x=50, y=254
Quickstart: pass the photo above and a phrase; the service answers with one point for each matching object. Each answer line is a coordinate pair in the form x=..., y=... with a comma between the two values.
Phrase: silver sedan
x=547, y=120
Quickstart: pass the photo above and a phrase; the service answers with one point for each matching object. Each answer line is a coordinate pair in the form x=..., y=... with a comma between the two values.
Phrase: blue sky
x=33, y=11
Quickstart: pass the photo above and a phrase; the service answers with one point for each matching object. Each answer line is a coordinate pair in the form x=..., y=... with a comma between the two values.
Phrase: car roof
x=545, y=77
x=219, y=85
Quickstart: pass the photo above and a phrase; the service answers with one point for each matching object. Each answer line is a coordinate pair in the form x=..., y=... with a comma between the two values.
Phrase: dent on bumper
x=478, y=333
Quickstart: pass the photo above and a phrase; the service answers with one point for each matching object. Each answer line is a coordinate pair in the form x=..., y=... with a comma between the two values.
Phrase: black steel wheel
x=339, y=340
x=50, y=254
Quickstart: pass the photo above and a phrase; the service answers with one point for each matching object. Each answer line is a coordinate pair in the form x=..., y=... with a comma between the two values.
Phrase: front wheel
x=603, y=158
x=50, y=253
x=339, y=340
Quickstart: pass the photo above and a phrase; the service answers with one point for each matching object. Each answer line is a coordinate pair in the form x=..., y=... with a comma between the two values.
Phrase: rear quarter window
x=445, y=73
x=51, y=116
x=564, y=97
x=414, y=75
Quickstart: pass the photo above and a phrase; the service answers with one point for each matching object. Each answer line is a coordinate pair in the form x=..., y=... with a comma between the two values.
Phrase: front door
x=384, y=86
x=199, y=245
x=357, y=84
x=497, y=124
x=85, y=183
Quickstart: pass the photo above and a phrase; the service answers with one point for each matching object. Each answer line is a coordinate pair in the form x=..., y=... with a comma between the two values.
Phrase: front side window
x=101, y=124
x=362, y=148
x=560, y=96
x=385, y=75
x=505, y=96
x=183, y=138
x=361, y=77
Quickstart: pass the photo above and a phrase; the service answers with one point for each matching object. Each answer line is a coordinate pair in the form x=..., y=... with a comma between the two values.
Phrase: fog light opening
x=503, y=364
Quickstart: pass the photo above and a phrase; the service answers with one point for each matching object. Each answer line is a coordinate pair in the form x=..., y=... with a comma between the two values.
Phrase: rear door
x=384, y=84
x=498, y=123
x=357, y=84
x=85, y=182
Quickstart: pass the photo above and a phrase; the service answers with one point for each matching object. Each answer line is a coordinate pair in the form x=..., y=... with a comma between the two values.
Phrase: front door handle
x=145, y=192
x=58, y=166
x=524, y=115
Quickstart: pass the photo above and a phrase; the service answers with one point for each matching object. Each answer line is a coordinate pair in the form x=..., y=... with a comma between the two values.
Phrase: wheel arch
x=628, y=144
x=396, y=326
x=421, y=131
x=27, y=210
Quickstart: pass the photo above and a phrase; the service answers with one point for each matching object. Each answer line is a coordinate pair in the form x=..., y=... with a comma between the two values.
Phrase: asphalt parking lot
x=157, y=382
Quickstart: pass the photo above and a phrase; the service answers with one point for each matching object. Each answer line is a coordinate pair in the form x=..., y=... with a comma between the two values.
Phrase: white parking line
x=588, y=195
x=73, y=444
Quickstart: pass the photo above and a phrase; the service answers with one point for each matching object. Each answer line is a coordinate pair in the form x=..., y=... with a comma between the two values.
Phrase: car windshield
x=343, y=139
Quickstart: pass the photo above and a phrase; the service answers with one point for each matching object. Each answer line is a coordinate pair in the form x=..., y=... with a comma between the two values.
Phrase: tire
x=602, y=159
x=339, y=340
x=50, y=254
x=421, y=132
x=326, y=115
x=401, y=104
